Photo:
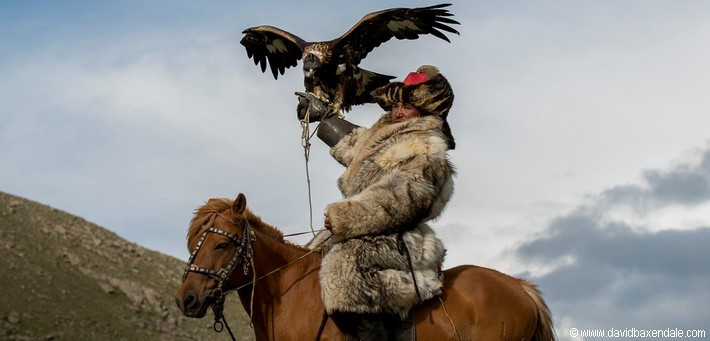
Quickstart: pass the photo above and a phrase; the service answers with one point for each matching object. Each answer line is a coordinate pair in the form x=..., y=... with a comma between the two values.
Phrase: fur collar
x=384, y=127
x=375, y=139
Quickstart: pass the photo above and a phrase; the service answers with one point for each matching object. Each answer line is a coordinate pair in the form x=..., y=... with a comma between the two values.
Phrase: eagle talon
x=313, y=106
x=334, y=109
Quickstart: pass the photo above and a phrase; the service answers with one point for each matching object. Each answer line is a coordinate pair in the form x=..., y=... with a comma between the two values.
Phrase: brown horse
x=477, y=303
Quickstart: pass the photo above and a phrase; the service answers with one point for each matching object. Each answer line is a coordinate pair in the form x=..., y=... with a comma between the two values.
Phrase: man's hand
x=326, y=221
x=314, y=106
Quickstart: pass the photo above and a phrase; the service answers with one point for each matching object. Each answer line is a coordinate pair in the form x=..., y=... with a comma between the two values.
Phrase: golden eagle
x=330, y=68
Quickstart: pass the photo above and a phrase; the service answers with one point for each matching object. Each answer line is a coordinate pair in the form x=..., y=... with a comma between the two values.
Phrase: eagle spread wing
x=281, y=48
x=340, y=77
x=401, y=23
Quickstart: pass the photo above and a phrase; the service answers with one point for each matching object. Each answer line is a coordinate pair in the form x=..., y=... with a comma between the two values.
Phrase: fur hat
x=425, y=89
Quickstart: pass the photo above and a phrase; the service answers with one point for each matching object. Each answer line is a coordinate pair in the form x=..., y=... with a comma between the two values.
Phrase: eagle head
x=311, y=63
x=314, y=57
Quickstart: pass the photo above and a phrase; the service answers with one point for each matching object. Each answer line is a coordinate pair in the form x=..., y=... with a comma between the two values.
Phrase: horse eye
x=221, y=246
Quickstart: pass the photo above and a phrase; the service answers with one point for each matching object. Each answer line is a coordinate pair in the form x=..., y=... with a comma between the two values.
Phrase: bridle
x=243, y=254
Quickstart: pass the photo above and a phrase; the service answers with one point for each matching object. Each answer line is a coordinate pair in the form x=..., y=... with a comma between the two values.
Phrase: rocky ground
x=64, y=278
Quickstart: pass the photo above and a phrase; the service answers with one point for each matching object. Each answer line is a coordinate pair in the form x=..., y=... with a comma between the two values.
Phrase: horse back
x=479, y=304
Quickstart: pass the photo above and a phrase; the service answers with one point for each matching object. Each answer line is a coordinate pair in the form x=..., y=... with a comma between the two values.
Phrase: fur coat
x=397, y=176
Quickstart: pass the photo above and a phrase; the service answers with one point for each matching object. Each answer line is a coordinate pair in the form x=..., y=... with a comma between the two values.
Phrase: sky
x=583, y=148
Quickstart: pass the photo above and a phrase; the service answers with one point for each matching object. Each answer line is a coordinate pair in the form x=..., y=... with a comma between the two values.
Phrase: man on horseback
x=383, y=258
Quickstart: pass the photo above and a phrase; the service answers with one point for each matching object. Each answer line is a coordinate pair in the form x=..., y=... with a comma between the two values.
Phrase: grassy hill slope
x=64, y=278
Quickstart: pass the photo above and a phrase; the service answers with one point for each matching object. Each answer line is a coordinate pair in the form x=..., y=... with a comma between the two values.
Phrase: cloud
x=132, y=115
x=135, y=133
x=619, y=275
x=684, y=184
x=136, y=142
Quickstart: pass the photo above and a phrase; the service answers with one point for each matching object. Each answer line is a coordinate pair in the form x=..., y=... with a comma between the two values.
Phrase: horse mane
x=223, y=206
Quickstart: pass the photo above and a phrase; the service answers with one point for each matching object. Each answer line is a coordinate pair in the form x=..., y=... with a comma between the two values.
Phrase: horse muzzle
x=193, y=304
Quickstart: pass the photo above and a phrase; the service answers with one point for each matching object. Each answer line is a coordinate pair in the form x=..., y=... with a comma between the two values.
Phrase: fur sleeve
x=344, y=150
x=400, y=199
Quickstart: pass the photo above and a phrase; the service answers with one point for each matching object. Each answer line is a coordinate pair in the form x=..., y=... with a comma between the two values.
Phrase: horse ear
x=240, y=203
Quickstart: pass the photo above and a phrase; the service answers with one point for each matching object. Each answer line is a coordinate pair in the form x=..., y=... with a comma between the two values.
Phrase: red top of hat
x=415, y=78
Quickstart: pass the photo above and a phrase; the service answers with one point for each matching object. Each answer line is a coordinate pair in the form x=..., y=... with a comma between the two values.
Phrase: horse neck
x=270, y=251
x=281, y=258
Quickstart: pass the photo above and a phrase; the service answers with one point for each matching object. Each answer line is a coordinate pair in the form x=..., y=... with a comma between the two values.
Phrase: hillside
x=67, y=279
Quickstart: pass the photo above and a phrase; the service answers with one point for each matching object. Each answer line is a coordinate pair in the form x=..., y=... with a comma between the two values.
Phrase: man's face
x=404, y=111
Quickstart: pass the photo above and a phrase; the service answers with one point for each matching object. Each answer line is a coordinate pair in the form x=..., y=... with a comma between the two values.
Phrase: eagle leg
x=338, y=100
x=320, y=94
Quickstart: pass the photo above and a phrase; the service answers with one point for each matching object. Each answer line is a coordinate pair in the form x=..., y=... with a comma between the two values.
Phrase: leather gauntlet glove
x=332, y=129
x=316, y=108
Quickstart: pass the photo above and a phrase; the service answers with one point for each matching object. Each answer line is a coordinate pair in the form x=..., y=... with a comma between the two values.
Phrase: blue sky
x=581, y=126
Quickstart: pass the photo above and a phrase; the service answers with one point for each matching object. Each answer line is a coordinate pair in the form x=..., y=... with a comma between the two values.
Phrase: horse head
x=220, y=241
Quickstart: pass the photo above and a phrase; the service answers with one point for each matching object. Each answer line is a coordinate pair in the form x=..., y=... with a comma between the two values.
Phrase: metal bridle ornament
x=243, y=254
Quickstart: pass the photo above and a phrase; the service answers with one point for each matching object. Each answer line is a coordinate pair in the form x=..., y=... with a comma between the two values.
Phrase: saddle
x=399, y=330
